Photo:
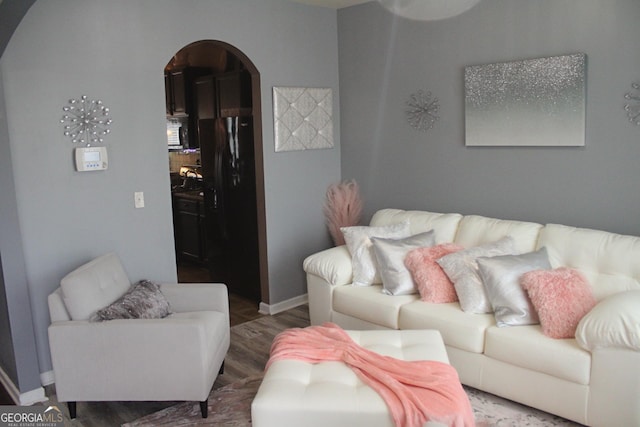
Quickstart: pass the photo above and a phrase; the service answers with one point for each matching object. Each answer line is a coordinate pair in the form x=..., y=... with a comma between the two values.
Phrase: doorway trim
x=256, y=102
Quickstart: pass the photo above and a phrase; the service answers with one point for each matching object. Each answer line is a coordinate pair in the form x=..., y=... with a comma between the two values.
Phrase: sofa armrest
x=185, y=297
x=120, y=359
x=613, y=323
x=326, y=270
x=333, y=265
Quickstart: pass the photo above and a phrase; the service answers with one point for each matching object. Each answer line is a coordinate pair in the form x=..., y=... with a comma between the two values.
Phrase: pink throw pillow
x=561, y=297
x=431, y=281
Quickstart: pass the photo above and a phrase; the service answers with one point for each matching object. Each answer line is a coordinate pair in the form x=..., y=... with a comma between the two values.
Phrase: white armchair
x=177, y=357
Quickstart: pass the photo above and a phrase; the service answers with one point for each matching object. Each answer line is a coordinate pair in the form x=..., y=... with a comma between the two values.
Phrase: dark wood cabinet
x=204, y=89
x=177, y=94
x=178, y=90
x=189, y=222
x=222, y=95
x=234, y=93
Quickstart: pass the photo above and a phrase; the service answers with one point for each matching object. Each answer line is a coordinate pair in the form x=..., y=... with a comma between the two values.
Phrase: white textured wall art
x=302, y=118
x=536, y=102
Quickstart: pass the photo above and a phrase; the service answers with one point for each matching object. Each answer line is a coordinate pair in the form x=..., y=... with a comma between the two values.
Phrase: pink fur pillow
x=430, y=280
x=561, y=297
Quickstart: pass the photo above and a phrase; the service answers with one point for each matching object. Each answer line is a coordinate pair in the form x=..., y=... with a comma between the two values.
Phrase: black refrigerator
x=231, y=224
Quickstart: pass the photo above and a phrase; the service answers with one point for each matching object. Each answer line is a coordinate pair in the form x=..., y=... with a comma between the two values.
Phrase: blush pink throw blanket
x=414, y=391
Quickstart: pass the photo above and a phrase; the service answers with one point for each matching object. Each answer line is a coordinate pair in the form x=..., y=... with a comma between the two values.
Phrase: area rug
x=230, y=400
x=231, y=406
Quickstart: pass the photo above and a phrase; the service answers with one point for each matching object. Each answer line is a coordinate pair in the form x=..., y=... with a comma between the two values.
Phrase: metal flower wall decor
x=633, y=106
x=422, y=110
x=86, y=121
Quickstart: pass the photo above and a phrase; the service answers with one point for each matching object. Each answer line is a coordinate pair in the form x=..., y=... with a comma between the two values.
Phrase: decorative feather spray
x=342, y=208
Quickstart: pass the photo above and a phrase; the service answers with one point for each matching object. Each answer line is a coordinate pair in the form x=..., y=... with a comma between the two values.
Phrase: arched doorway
x=214, y=132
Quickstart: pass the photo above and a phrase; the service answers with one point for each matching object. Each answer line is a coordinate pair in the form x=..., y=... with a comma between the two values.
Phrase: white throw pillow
x=390, y=254
x=501, y=278
x=358, y=240
x=462, y=269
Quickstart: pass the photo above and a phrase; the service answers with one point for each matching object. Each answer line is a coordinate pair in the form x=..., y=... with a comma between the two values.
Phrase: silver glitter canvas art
x=536, y=102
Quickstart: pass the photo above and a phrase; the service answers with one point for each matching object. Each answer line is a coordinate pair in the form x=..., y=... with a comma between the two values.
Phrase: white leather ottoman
x=295, y=393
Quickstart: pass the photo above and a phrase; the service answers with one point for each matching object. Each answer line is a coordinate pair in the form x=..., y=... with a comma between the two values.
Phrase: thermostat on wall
x=91, y=159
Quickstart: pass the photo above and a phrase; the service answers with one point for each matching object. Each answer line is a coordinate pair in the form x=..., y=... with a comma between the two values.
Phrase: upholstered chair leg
x=72, y=409
x=204, y=409
x=221, y=371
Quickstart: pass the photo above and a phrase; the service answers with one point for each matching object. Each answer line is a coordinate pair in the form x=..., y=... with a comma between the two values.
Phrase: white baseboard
x=47, y=378
x=21, y=399
x=283, y=305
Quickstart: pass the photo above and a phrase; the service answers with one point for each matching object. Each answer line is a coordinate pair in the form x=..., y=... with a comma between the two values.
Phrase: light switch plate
x=138, y=198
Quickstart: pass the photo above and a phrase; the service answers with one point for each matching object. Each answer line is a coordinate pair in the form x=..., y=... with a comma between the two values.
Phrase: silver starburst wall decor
x=633, y=106
x=422, y=110
x=86, y=121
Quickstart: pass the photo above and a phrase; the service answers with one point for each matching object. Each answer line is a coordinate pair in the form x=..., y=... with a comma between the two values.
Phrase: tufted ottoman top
x=296, y=393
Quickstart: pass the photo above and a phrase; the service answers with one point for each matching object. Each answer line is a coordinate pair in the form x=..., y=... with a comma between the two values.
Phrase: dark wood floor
x=240, y=309
x=5, y=399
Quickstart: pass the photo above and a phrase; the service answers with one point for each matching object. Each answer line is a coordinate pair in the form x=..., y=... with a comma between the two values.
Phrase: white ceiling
x=334, y=4
x=422, y=10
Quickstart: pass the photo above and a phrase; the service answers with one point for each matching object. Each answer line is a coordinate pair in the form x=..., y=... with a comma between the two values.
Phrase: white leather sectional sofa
x=593, y=379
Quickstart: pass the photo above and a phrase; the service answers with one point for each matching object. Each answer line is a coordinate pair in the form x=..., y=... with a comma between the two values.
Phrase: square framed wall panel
x=302, y=118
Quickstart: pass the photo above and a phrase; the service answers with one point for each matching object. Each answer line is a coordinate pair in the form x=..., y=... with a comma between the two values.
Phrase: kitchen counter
x=195, y=195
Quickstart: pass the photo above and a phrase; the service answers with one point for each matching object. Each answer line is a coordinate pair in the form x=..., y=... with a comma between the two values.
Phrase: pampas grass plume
x=342, y=208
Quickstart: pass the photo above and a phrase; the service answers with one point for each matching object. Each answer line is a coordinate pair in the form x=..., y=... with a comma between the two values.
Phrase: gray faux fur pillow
x=142, y=301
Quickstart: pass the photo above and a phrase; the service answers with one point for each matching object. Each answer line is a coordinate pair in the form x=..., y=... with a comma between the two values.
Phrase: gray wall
x=384, y=59
x=116, y=51
x=18, y=350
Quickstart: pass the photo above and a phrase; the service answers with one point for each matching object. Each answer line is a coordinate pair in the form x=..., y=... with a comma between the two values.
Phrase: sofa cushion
x=527, y=347
x=602, y=257
x=431, y=281
x=358, y=240
x=370, y=304
x=476, y=230
x=142, y=301
x=445, y=225
x=459, y=329
x=561, y=297
x=614, y=322
x=501, y=279
x=93, y=286
x=462, y=269
x=390, y=254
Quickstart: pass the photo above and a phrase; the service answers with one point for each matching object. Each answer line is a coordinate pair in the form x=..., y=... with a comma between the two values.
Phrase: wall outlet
x=138, y=198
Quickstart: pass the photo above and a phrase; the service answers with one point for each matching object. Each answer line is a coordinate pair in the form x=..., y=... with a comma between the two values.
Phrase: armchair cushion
x=143, y=301
x=93, y=286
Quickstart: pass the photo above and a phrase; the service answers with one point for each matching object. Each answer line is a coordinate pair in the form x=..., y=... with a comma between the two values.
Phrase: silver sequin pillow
x=501, y=279
x=462, y=269
x=358, y=239
x=144, y=300
x=390, y=254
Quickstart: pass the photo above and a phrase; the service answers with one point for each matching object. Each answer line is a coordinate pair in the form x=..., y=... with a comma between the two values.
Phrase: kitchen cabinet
x=234, y=93
x=178, y=91
x=223, y=95
x=204, y=89
x=177, y=95
x=189, y=222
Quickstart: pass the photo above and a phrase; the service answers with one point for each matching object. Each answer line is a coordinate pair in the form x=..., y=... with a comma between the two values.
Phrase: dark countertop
x=195, y=195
